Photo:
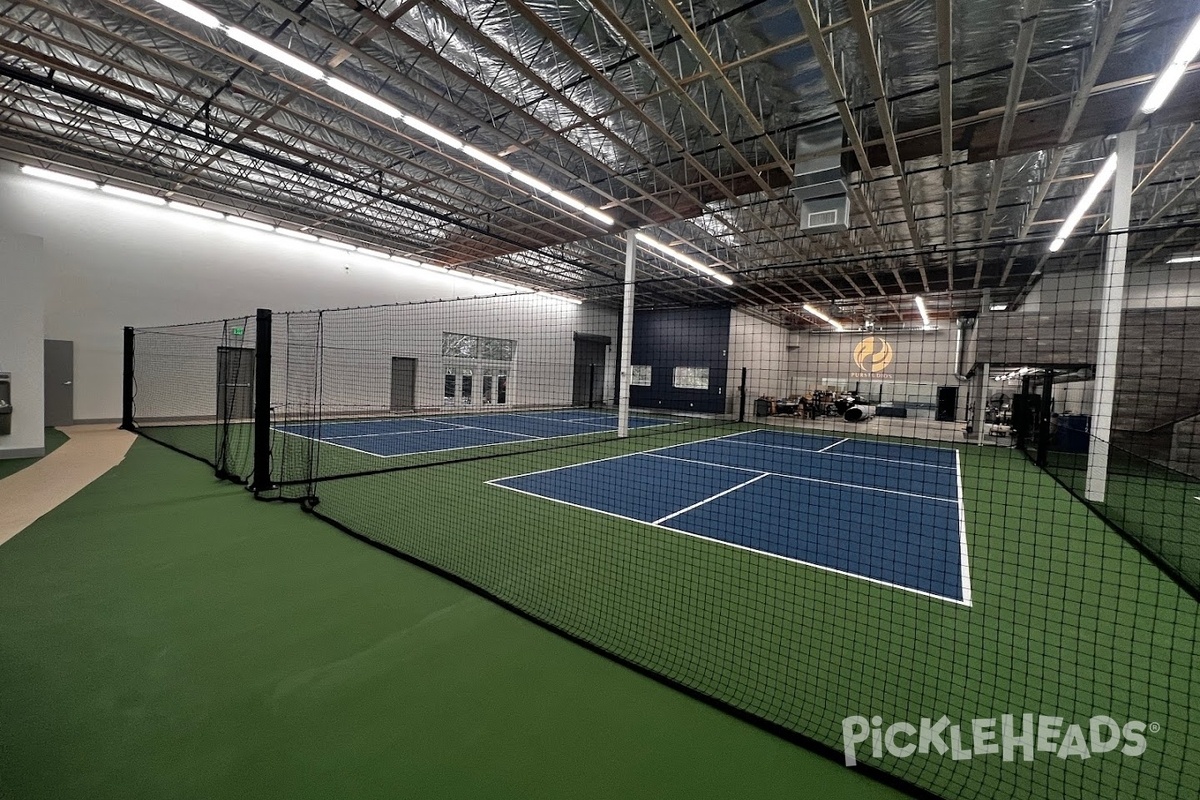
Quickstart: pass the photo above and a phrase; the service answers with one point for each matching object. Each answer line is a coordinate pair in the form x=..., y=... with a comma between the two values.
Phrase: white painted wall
x=922, y=361
x=1159, y=285
x=22, y=297
x=111, y=262
x=761, y=347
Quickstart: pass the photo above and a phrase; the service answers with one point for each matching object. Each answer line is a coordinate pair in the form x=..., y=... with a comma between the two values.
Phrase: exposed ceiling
x=972, y=127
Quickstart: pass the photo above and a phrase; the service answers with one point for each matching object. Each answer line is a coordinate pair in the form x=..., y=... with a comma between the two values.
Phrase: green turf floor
x=1068, y=619
x=10, y=466
x=165, y=636
x=1158, y=506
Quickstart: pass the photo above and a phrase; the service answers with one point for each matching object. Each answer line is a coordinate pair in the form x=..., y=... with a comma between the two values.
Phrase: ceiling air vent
x=825, y=214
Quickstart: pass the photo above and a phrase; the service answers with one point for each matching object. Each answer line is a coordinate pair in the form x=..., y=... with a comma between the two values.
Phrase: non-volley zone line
x=895, y=525
x=394, y=437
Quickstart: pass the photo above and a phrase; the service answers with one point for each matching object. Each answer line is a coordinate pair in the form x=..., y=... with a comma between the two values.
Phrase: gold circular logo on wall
x=873, y=354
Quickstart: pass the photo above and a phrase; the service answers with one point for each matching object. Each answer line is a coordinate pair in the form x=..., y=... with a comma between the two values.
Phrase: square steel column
x=1112, y=301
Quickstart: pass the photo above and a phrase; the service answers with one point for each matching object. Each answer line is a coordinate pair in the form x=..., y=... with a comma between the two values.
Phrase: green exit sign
x=239, y=331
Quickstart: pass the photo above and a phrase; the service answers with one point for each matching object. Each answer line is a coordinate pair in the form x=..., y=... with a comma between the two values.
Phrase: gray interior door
x=59, y=379
x=235, y=383
x=404, y=384
x=588, y=352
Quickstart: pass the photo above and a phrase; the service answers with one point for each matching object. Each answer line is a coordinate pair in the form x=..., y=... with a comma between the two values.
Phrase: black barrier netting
x=897, y=556
x=193, y=390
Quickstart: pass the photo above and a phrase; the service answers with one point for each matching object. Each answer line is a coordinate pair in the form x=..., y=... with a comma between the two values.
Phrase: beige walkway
x=91, y=451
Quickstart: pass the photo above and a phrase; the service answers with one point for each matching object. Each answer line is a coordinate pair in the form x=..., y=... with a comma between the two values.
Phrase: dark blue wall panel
x=689, y=337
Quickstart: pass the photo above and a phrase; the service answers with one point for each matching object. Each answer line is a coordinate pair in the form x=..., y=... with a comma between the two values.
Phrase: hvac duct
x=820, y=180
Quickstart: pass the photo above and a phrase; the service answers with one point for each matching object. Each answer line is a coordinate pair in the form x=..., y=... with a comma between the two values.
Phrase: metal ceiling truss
x=962, y=146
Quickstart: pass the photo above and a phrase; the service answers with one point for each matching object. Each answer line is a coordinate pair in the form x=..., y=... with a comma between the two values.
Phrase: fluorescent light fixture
x=567, y=200
x=195, y=211
x=191, y=12
x=599, y=215
x=364, y=97
x=486, y=158
x=335, y=243
x=579, y=205
x=251, y=223
x=920, y=301
x=291, y=234
x=128, y=194
x=373, y=253
x=683, y=258
x=998, y=307
x=837, y=326
x=532, y=182
x=1188, y=49
x=1183, y=259
x=274, y=52
x=58, y=177
x=432, y=131
x=1093, y=191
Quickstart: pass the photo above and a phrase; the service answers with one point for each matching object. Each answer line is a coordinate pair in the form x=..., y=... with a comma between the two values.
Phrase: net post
x=261, y=481
x=591, y=385
x=127, y=381
x=1022, y=429
x=1044, y=417
x=742, y=401
x=626, y=335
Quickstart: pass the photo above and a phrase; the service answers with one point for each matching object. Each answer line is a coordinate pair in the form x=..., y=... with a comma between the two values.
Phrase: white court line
x=865, y=441
x=710, y=499
x=332, y=443
x=481, y=428
x=741, y=547
x=807, y=479
x=962, y=534
x=609, y=425
x=611, y=458
x=823, y=449
x=848, y=455
x=328, y=442
x=388, y=433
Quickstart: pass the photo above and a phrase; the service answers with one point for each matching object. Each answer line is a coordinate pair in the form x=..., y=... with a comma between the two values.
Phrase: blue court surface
x=887, y=513
x=389, y=437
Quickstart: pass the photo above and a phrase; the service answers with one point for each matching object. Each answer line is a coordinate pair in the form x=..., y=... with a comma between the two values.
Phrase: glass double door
x=475, y=385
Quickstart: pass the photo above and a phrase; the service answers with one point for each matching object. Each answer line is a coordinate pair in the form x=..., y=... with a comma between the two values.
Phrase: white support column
x=627, y=334
x=1112, y=301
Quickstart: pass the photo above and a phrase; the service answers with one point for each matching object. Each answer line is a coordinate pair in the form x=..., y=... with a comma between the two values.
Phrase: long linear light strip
x=1183, y=259
x=288, y=59
x=1189, y=48
x=837, y=326
x=1093, y=191
x=244, y=222
x=683, y=258
x=920, y=301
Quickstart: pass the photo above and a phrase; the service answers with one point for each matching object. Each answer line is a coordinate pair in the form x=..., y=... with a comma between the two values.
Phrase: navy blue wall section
x=688, y=337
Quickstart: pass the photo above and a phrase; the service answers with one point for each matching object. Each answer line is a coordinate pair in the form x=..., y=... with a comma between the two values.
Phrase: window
x=639, y=375
x=458, y=345
x=451, y=385
x=501, y=389
x=464, y=345
x=691, y=377
x=487, y=388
